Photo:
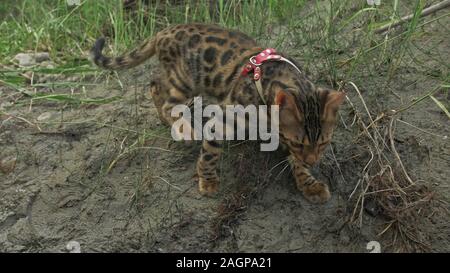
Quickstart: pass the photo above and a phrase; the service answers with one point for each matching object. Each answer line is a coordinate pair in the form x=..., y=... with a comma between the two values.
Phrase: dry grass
x=406, y=205
x=234, y=205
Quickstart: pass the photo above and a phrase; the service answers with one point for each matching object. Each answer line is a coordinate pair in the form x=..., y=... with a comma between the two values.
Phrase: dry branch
x=425, y=12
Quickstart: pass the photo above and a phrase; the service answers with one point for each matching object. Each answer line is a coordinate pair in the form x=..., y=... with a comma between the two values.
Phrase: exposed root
x=385, y=180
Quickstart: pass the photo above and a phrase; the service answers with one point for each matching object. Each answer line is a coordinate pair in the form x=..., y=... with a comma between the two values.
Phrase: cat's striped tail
x=131, y=59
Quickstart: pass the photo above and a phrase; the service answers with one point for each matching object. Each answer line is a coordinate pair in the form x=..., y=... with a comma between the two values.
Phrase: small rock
x=7, y=165
x=29, y=59
x=25, y=59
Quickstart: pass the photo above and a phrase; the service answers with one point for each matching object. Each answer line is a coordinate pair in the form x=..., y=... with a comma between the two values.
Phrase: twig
x=363, y=101
x=168, y=183
x=337, y=164
x=422, y=130
x=22, y=119
x=425, y=12
x=363, y=171
x=372, y=122
x=391, y=138
x=416, y=101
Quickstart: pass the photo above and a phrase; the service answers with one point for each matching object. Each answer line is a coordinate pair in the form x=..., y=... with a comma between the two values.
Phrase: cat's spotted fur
x=199, y=59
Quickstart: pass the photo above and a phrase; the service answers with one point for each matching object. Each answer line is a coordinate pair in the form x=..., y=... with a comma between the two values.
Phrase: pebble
x=29, y=59
x=8, y=165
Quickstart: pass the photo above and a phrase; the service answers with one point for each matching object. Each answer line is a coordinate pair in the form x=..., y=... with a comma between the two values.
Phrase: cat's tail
x=131, y=59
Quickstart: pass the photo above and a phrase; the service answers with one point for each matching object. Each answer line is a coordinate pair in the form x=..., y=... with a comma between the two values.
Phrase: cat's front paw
x=208, y=187
x=317, y=193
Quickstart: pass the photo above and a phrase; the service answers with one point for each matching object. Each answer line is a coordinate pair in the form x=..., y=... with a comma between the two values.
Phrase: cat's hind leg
x=159, y=92
x=165, y=97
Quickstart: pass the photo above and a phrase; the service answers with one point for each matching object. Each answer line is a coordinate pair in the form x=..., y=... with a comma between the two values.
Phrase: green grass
x=50, y=25
x=335, y=40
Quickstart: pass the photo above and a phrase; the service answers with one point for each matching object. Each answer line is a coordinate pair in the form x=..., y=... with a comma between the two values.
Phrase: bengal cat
x=198, y=59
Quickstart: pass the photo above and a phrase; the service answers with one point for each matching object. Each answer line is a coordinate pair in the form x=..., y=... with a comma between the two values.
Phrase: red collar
x=256, y=61
x=268, y=54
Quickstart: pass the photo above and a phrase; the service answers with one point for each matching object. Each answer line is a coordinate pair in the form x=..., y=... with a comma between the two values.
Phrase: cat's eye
x=298, y=145
x=323, y=144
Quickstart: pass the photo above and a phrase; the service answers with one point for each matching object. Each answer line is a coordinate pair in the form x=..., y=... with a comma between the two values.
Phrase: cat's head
x=307, y=121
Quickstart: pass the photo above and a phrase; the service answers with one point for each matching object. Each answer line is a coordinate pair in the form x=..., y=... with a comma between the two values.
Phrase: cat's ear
x=334, y=99
x=285, y=100
x=281, y=98
x=290, y=117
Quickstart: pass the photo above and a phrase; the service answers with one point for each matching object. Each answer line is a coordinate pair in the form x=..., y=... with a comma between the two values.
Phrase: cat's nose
x=311, y=159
